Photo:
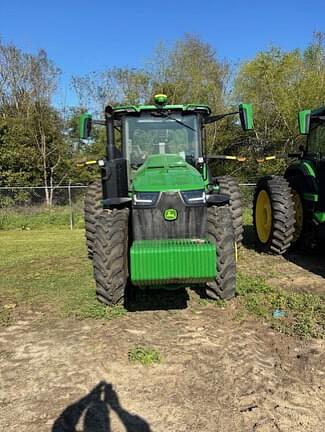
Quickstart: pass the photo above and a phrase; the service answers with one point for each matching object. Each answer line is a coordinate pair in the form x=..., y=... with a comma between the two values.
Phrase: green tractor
x=158, y=218
x=290, y=210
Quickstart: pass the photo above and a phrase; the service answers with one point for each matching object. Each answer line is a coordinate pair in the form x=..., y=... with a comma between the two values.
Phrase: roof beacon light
x=160, y=99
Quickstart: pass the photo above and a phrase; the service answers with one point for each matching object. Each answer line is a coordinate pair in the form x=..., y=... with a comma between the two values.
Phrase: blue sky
x=82, y=36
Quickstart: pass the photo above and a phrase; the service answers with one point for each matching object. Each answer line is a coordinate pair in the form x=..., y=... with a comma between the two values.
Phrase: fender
x=303, y=170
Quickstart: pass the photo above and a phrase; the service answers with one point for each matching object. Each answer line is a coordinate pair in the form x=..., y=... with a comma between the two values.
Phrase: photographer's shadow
x=95, y=409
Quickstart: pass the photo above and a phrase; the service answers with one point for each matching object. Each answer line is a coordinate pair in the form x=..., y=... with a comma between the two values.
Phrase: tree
x=191, y=72
x=280, y=84
x=30, y=128
x=112, y=86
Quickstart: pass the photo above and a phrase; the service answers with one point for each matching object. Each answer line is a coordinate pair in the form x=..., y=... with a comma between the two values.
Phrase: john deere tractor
x=158, y=219
x=290, y=210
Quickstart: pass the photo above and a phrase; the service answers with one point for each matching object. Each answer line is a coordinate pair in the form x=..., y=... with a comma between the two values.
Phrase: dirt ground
x=216, y=373
x=299, y=270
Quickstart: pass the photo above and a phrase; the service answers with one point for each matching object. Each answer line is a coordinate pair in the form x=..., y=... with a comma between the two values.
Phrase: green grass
x=41, y=217
x=48, y=270
x=304, y=313
x=143, y=355
x=91, y=310
x=247, y=216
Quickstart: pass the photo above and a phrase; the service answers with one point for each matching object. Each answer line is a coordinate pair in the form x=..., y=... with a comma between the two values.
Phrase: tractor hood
x=168, y=172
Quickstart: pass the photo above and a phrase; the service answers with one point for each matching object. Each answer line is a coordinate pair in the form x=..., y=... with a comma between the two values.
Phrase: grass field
x=47, y=271
x=41, y=217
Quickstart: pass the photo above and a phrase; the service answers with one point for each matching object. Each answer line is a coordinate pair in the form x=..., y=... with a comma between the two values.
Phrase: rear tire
x=111, y=256
x=221, y=233
x=229, y=186
x=302, y=235
x=299, y=217
x=273, y=215
x=92, y=210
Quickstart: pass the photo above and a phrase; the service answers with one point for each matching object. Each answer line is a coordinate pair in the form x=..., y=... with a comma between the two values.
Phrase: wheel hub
x=263, y=216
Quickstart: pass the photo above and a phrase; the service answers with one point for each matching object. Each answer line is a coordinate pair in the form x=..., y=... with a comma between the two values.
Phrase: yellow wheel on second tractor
x=273, y=215
x=263, y=216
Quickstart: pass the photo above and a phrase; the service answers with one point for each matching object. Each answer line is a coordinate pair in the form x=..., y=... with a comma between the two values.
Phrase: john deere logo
x=170, y=214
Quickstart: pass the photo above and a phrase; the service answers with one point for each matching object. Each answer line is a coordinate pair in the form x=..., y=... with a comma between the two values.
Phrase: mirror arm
x=218, y=117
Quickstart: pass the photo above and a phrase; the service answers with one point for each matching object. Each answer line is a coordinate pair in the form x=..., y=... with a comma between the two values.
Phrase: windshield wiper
x=162, y=114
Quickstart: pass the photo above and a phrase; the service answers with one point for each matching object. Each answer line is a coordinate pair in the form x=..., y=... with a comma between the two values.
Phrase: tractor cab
x=312, y=163
x=159, y=135
x=158, y=129
x=315, y=151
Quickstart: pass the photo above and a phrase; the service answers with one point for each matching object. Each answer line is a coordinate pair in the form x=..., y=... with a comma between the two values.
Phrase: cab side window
x=316, y=139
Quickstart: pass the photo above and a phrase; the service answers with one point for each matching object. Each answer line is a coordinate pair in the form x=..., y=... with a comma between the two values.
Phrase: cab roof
x=137, y=109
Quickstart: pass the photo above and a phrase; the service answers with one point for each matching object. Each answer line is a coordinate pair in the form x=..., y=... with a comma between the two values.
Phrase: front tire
x=92, y=210
x=229, y=186
x=111, y=256
x=273, y=215
x=221, y=233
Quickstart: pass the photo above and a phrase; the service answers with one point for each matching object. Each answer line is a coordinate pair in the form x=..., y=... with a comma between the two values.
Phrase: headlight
x=192, y=198
x=145, y=198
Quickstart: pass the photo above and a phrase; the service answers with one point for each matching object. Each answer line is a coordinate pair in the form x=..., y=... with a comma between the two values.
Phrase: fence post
x=70, y=205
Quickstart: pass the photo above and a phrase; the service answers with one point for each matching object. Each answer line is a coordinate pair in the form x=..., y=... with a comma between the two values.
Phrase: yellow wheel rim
x=299, y=215
x=263, y=216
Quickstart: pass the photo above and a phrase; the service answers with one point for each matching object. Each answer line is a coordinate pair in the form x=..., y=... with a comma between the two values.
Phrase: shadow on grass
x=156, y=299
x=94, y=409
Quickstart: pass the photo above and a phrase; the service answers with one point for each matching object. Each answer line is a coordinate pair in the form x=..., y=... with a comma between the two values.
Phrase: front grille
x=150, y=223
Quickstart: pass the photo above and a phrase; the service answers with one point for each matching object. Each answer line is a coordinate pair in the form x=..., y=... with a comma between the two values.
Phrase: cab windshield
x=316, y=138
x=152, y=133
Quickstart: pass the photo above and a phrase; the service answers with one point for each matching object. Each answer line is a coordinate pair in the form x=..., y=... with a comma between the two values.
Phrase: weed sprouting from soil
x=144, y=355
x=219, y=303
x=100, y=311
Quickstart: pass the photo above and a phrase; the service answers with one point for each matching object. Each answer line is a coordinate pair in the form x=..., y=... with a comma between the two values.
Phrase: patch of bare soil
x=299, y=271
x=216, y=374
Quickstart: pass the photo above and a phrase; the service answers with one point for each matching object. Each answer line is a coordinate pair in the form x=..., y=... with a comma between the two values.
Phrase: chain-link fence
x=27, y=207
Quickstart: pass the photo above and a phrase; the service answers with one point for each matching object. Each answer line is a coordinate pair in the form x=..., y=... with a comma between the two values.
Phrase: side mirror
x=85, y=125
x=304, y=121
x=246, y=116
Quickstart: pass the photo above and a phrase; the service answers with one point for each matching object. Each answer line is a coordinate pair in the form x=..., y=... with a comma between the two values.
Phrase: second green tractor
x=289, y=210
